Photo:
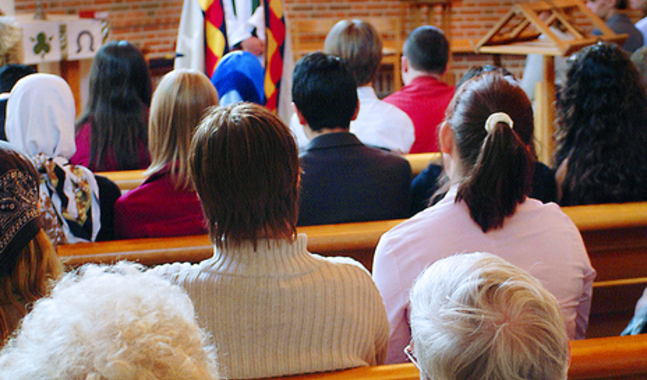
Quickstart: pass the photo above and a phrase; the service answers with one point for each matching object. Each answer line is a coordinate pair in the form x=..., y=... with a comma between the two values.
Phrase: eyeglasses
x=408, y=350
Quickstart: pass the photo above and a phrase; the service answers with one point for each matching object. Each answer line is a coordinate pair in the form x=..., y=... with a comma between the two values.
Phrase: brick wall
x=152, y=25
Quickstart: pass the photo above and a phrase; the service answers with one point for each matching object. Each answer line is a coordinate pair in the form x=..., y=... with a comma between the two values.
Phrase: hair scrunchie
x=495, y=118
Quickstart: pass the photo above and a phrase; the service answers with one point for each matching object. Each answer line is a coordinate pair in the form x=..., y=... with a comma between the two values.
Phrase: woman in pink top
x=111, y=132
x=166, y=203
x=486, y=209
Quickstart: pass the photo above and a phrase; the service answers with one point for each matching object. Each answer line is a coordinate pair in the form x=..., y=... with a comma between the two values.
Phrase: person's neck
x=312, y=134
x=453, y=168
x=414, y=74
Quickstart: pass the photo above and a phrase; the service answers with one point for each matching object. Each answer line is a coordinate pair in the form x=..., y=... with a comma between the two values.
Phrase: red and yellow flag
x=215, y=33
x=274, y=48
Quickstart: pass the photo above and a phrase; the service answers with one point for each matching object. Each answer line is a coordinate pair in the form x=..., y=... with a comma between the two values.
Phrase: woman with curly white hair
x=110, y=323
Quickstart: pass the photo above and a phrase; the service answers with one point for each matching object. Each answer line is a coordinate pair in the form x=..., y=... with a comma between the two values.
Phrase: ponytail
x=500, y=179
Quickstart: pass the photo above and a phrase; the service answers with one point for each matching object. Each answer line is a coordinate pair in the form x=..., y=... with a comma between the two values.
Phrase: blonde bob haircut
x=478, y=317
x=178, y=104
x=359, y=44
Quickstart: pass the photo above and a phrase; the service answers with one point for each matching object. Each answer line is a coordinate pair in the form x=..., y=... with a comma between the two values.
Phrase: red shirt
x=156, y=209
x=82, y=156
x=425, y=100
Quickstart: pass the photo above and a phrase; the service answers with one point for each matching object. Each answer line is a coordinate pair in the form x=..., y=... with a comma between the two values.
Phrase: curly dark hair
x=602, y=129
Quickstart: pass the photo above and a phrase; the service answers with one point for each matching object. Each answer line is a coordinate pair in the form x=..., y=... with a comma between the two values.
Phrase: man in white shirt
x=378, y=124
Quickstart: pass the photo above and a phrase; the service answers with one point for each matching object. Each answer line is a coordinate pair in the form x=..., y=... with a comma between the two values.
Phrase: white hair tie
x=497, y=117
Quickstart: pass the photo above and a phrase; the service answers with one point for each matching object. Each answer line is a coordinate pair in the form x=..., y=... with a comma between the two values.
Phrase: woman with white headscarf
x=40, y=122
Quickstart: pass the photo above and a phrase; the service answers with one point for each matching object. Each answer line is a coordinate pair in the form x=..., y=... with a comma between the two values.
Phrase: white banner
x=41, y=41
x=83, y=38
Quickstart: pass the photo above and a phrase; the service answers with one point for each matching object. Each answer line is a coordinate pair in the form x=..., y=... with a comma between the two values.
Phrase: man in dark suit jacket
x=342, y=180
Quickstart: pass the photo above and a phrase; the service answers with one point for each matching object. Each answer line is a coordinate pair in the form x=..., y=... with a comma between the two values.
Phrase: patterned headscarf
x=40, y=122
x=19, y=215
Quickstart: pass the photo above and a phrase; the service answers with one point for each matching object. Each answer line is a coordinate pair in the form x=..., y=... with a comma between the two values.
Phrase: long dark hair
x=120, y=94
x=602, y=129
x=497, y=166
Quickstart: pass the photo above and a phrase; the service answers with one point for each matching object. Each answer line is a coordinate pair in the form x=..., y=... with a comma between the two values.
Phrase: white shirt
x=538, y=238
x=279, y=310
x=378, y=124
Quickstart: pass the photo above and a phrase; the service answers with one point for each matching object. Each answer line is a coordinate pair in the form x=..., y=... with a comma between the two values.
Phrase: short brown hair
x=359, y=44
x=244, y=166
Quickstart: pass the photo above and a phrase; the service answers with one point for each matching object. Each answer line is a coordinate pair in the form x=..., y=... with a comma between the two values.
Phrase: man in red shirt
x=424, y=96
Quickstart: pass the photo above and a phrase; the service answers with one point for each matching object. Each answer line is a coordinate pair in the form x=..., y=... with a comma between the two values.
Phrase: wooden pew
x=357, y=240
x=125, y=179
x=130, y=179
x=620, y=358
x=615, y=236
x=420, y=161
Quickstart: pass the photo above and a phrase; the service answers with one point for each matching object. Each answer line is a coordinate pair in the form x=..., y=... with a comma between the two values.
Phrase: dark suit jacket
x=343, y=180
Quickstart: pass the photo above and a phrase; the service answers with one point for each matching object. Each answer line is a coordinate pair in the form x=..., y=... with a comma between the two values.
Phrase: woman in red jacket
x=166, y=203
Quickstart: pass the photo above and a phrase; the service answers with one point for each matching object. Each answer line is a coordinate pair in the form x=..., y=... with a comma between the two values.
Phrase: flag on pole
x=215, y=33
x=274, y=49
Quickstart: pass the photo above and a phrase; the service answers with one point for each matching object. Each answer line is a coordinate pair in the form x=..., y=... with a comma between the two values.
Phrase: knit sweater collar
x=272, y=258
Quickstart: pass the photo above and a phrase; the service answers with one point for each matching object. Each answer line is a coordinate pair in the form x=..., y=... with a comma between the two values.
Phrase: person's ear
x=302, y=120
x=446, y=138
x=404, y=63
x=356, y=112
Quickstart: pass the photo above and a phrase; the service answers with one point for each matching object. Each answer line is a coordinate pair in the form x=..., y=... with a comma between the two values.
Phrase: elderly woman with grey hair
x=476, y=316
x=105, y=323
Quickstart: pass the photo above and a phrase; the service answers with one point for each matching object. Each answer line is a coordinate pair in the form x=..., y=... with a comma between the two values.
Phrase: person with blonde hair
x=28, y=260
x=109, y=323
x=273, y=308
x=166, y=203
x=378, y=124
x=476, y=316
x=11, y=49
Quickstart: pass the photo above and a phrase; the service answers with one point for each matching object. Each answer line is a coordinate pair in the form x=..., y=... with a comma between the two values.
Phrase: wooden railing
x=619, y=358
x=130, y=179
x=615, y=236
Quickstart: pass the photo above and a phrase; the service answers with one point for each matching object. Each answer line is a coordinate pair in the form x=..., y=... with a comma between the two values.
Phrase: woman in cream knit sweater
x=273, y=308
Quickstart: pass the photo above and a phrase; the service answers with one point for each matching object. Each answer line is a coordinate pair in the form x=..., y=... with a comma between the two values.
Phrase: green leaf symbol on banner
x=42, y=45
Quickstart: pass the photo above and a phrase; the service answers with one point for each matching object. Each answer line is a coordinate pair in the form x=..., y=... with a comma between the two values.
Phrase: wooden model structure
x=518, y=33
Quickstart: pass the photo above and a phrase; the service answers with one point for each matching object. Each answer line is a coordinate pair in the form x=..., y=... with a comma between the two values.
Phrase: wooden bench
x=615, y=236
x=620, y=358
x=130, y=179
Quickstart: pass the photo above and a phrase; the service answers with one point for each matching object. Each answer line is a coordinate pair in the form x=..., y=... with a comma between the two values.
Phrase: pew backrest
x=615, y=237
x=130, y=179
x=620, y=358
x=610, y=232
